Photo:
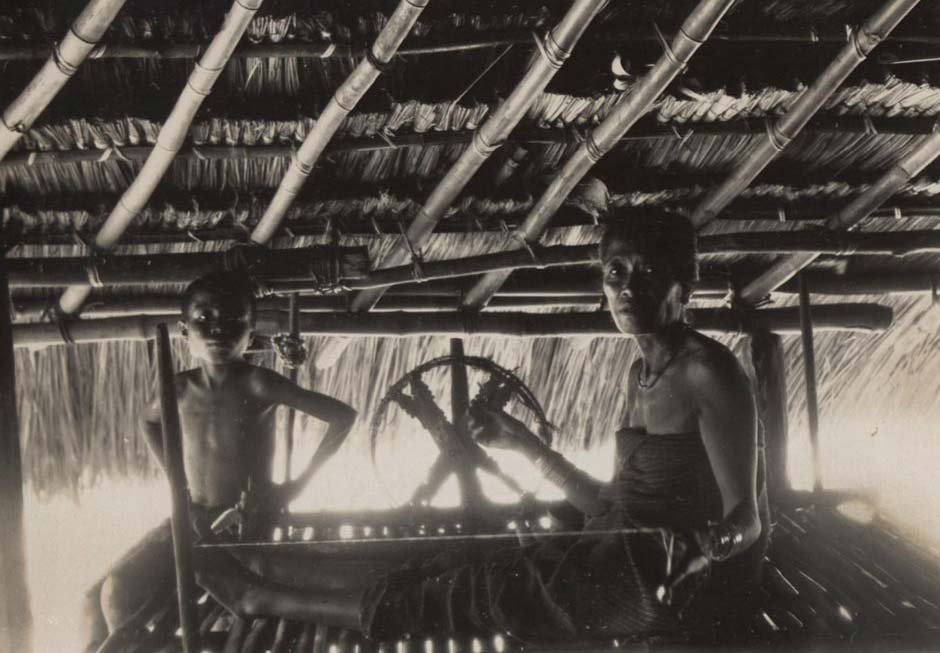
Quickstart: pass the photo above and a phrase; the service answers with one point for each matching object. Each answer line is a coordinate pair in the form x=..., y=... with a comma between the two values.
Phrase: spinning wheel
x=459, y=454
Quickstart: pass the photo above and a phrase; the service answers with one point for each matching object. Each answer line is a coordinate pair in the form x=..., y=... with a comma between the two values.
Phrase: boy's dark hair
x=664, y=236
x=226, y=283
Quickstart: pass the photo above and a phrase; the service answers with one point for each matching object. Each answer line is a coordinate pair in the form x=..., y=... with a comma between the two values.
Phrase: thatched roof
x=79, y=405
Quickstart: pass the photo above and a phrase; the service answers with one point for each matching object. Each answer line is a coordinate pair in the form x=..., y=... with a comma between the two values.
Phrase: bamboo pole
x=809, y=369
x=15, y=617
x=900, y=174
x=827, y=317
x=179, y=492
x=327, y=50
x=294, y=329
x=345, y=99
x=644, y=131
x=784, y=130
x=694, y=31
x=87, y=29
x=289, y=270
x=471, y=494
x=551, y=55
x=317, y=265
x=169, y=140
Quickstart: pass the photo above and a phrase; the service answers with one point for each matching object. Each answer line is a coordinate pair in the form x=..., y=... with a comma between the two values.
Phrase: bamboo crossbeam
x=344, y=100
x=900, y=174
x=784, y=130
x=15, y=617
x=288, y=270
x=551, y=55
x=62, y=62
x=694, y=31
x=827, y=317
x=179, y=492
x=170, y=139
x=314, y=264
x=326, y=50
x=645, y=130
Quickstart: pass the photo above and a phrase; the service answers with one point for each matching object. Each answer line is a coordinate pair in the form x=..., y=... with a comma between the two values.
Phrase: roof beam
x=550, y=56
x=694, y=31
x=840, y=317
x=170, y=139
x=785, y=129
x=79, y=42
x=848, y=218
x=343, y=101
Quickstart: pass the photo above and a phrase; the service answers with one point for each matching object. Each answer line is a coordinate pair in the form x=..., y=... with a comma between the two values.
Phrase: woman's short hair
x=660, y=235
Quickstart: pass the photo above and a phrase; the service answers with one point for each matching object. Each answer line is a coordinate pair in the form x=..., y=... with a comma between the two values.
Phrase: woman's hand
x=689, y=558
x=495, y=428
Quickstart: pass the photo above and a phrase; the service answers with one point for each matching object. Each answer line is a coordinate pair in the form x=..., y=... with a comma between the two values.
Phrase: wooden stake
x=179, y=492
x=170, y=139
x=809, y=367
x=15, y=617
x=778, y=135
x=551, y=54
x=294, y=329
x=771, y=389
x=695, y=30
x=471, y=494
x=345, y=99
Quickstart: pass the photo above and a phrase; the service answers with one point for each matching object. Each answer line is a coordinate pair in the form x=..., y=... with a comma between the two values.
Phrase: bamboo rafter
x=780, y=133
x=79, y=42
x=694, y=31
x=344, y=100
x=848, y=218
x=552, y=53
x=172, y=135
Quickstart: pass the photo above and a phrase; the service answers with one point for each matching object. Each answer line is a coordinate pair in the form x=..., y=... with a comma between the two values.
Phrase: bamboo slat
x=694, y=31
x=79, y=42
x=170, y=139
x=784, y=130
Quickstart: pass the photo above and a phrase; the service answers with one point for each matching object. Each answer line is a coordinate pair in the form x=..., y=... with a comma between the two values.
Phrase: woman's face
x=642, y=292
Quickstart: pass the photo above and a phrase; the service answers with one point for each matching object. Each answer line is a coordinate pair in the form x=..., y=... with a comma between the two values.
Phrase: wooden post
x=292, y=375
x=809, y=366
x=179, y=490
x=471, y=494
x=771, y=388
x=15, y=618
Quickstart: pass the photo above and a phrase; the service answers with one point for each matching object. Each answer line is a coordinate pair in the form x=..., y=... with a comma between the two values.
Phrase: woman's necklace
x=644, y=380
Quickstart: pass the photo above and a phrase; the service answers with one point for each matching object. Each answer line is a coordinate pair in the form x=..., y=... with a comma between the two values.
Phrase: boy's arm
x=276, y=389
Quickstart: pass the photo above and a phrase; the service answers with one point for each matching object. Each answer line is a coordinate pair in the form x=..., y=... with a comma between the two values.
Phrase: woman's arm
x=276, y=389
x=497, y=429
x=728, y=426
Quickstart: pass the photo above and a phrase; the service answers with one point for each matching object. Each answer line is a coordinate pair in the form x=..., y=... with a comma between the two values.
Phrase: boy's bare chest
x=221, y=416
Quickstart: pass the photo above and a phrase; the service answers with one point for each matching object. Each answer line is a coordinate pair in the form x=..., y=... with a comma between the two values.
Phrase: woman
x=687, y=461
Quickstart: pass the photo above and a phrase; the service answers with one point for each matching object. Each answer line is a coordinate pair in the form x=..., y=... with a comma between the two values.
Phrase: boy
x=227, y=412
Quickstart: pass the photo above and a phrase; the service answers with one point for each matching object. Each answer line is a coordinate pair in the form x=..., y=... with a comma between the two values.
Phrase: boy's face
x=217, y=327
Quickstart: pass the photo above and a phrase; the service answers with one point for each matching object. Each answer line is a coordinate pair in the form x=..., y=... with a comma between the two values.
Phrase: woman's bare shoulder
x=708, y=360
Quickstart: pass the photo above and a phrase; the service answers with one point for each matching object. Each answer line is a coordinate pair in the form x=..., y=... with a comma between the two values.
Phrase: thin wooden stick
x=87, y=29
x=170, y=139
x=849, y=217
x=345, y=99
x=784, y=130
x=850, y=317
x=809, y=369
x=179, y=492
x=551, y=55
x=694, y=31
